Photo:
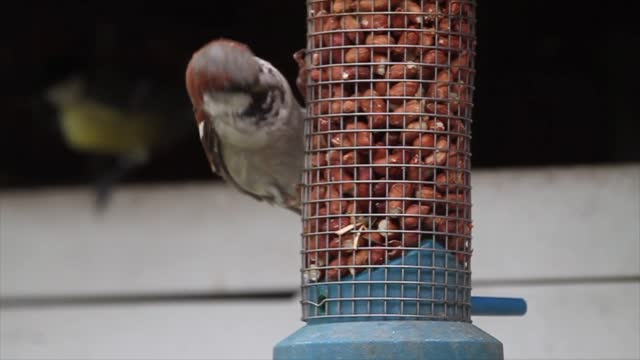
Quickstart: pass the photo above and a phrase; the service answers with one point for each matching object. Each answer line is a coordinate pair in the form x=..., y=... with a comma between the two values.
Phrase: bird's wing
x=213, y=150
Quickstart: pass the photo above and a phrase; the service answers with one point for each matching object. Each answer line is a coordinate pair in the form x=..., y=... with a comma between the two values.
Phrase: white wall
x=568, y=240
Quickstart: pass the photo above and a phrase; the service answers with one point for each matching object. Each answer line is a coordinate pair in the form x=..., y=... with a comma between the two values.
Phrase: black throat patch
x=265, y=104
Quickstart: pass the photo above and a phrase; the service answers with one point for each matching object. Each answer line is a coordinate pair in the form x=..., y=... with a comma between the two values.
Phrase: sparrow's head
x=221, y=65
x=228, y=83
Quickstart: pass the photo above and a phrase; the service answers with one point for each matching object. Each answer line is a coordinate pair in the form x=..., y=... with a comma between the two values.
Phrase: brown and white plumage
x=249, y=122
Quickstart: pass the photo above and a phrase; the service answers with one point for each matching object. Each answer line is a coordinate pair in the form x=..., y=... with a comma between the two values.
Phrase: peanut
x=397, y=191
x=392, y=138
x=318, y=6
x=411, y=239
x=316, y=26
x=342, y=178
x=399, y=21
x=342, y=244
x=457, y=126
x=408, y=113
x=357, y=55
x=418, y=171
x=336, y=271
x=374, y=22
x=440, y=155
x=382, y=164
x=339, y=266
x=403, y=71
x=351, y=158
x=320, y=57
x=379, y=69
x=436, y=125
x=363, y=187
x=454, y=233
x=460, y=8
x=349, y=22
x=380, y=43
x=462, y=27
x=320, y=107
x=333, y=224
x=340, y=140
x=343, y=106
x=359, y=138
x=380, y=188
x=450, y=180
x=318, y=142
x=374, y=105
x=451, y=42
x=318, y=193
x=426, y=195
x=381, y=87
x=374, y=237
x=455, y=202
x=316, y=243
x=433, y=58
x=414, y=129
x=414, y=10
x=388, y=228
x=419, y=210
x=380, y=207
x=433, y=11
x=340, y=6
x=375, y=5
x=326, y=124
x=403, y=89
x=335, y=157
x=318, y=159
x=427, y=38
x=393, y=251
x=331, y=36
x=424, y=141
x=445, y=25
x=348, y=73
x=315, y=75
x=406, y=52
x=336, y=204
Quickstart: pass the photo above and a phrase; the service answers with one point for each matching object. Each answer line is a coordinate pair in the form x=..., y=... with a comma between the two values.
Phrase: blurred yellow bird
x=125, y=119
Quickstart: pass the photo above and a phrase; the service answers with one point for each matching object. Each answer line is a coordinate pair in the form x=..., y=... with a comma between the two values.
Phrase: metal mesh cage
x=386, y=194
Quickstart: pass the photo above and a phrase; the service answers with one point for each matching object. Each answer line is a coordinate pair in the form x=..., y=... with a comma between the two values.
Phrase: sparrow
x=250, y=124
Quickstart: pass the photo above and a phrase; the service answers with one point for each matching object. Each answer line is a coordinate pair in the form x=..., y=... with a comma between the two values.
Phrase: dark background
x=554, y=83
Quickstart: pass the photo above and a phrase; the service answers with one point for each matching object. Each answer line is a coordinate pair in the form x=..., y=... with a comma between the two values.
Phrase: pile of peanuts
x=388, y=84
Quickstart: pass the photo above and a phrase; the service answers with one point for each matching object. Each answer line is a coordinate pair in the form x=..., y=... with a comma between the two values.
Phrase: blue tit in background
x=114, y=116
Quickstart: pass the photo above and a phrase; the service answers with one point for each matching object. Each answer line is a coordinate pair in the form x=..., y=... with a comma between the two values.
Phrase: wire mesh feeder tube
x=387, y=218
x=386, y=194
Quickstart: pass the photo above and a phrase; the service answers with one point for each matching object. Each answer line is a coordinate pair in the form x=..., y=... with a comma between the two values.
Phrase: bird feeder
x=386, y=195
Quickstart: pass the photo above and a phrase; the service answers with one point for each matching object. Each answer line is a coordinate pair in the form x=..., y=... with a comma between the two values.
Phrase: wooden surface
x=567, y=240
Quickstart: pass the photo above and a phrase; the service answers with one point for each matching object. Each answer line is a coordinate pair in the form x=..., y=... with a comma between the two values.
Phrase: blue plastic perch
x=497, y=306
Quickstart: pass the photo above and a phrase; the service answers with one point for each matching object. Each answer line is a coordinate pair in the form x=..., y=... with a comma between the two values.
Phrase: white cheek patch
x=224, y=111
x=224, y=103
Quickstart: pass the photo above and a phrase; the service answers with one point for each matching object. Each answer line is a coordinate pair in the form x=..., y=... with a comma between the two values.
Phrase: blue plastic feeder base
x=389, y=339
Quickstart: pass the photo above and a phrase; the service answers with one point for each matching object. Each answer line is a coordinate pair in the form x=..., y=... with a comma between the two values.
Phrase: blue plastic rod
x=497, y=306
